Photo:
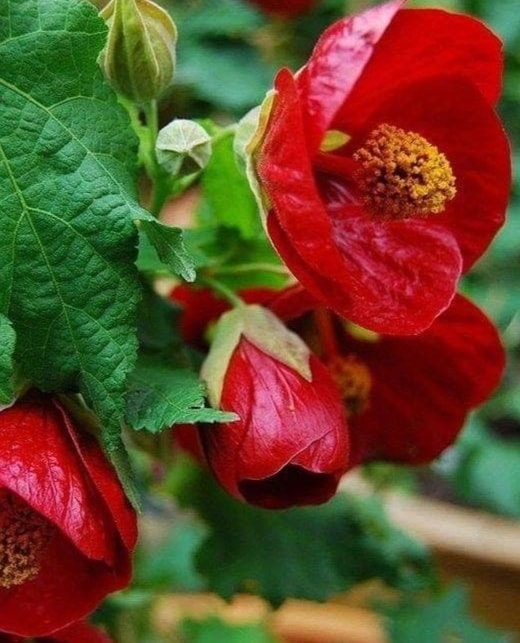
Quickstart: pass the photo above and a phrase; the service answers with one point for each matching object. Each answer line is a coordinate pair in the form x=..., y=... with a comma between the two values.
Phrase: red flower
x=80, y=632
x=408, y=397
x=66, y=528
x=285, y=8
x=289, y=445
x=382, y=167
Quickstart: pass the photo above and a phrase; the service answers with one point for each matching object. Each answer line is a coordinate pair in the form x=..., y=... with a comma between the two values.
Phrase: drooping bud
x=139, y=57
x=289, y=445
x=183, y=146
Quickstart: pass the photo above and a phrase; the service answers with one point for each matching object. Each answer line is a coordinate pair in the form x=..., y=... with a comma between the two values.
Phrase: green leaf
x=170, y=565
x=7, y=343
x=213, y=630
x=487, y=474
x=445, y=619
x=67, y=188
x=160, y=395
x=227, y=191
x=321, y=550
x=168, y=243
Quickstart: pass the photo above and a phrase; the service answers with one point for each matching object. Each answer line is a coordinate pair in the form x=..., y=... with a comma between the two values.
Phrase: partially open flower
x=381, y=167
x=66, y=527
x=407, y=397
x=290, y=443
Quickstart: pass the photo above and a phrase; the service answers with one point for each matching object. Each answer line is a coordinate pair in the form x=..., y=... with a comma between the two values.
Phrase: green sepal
x=263, y=329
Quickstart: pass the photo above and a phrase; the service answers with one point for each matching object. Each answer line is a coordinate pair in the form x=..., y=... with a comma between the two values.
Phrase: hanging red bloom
x=285, y=8
x=66, y=528
x=381, y=165
x=80, y=632
x=289, y=445
x=407, y=397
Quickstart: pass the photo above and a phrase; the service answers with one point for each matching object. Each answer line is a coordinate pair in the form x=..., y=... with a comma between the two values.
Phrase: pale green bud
x=139, y=57
x=183, y=145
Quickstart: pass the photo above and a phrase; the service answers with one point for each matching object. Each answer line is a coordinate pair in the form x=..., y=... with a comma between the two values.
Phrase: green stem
x=251, y=267
x=221, y=289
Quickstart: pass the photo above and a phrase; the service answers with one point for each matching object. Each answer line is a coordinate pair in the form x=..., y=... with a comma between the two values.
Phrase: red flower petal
x=336, y=64
x=68, y=587
x=421, y=44
x=285, y=8
x=475, y=144
x=423, y=386
x=80, y=632
x=290, y=446
x=396, y=278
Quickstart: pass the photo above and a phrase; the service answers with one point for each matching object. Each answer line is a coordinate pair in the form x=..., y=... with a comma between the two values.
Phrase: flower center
x=354, y=381
x=24, y=536
x=401, y=174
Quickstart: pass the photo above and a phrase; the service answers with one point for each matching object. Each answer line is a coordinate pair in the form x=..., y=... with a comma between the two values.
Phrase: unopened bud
x=183, y=146
x=139, y=57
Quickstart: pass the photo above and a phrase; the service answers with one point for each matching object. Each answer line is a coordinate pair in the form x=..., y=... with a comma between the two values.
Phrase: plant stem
x=222, y=289
x=326, y=332
x=251, y=267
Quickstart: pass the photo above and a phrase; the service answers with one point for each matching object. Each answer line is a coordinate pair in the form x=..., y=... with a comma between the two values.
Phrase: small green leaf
x=160, y=395
x=227, y=191
x=445, y=619
x=168, y=243
x=7, y=344
x=321, y=550
x=213, y=630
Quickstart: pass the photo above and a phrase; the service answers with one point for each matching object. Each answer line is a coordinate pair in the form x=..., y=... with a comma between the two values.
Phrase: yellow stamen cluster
x=354, y=381
x=402, y=175
x=24, y=536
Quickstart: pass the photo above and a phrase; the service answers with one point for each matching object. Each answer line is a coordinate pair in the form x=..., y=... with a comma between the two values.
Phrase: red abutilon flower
x=407, y=397
x=289, y=444
x=80, y=632
x=66, y=527
x=284, y=8
x=381, y=168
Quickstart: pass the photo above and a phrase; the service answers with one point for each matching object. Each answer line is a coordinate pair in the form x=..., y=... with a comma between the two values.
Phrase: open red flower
x=289, y=445
x=66, y=527
x=407, y=397
x=381, y=165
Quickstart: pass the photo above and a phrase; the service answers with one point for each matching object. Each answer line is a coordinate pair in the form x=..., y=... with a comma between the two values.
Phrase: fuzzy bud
x=183, y=146
x=139, y=57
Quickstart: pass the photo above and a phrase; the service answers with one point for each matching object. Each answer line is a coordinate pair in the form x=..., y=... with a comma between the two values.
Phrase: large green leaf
x=160, y=395
x=306, y=553
x=7, y=342
x=67, y=170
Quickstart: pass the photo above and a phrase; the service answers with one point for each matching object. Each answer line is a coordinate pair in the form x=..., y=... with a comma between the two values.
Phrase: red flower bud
x=66, y=527
x=290, y=443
